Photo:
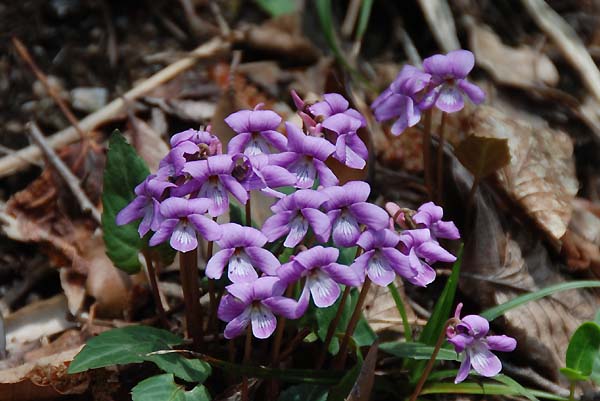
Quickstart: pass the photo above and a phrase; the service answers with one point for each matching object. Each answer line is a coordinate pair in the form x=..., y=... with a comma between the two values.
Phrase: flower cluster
x=196, y=181
x=470, y=338
x=442, y=83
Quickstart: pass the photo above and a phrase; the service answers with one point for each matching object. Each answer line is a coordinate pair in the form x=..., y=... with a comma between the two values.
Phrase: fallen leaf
x=541, y=174
x=381, y=312
x=521, y=66
x=148, y=142
x=482, y=156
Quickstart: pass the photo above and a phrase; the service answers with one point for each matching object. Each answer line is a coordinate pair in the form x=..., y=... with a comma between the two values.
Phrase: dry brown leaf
x=522, y=66
x=541, y=174
x=148, y=143
x=381, y=312
x=44, y=379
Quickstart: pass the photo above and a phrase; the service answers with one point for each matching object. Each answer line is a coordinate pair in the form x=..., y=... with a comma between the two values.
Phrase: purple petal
x=257, y=145
x=445, y=229
x=216, y=264
x=337, y=102
x=263, y=322
x=263, y=260
x=360, y=264
x=209, y=229
x=164, y=232
x=235, y=236
x=434, y=252
x=341, y=124
x=461, y=61
x=174, y=207
x=263, y=287
x=239, y=121
x=283, y=306
x=264, y=120
x=132, y=211
x=379, y=270
x=284, y=159
x=483, y=361
x=345, y=154
x=345, y=230
x=240, y=269
x=317, y=256
x=450, y=99
x=319, y=222
x=342, y=274
x=305, y=172
x=438, y=65
x=237, y=326
x=460, y=342
x=319, y=148
x=275, y=176
x=197, y=169
x=152, y=217
x=235, y=188
x=324, y=290
x=474, y=92
x=474, y=325
x=501, y=343
x=243, y=291
x=463, y=371
x=428, y=213
x=358, y=147
x=217, y=194
x=277, y=226
x=398, y=261
x=230, y=307
x=326, y=176
x=374, y=217
x=298, y=228
x=238, y=143
x=184, y=238
x=275, y=138
x=290, y=272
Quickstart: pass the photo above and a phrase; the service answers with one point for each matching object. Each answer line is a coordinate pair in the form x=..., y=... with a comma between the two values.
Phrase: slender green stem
x=440, y=159
x=427, y=151
x=572, y=391
x=343, y=353
x=191, y=295
x=402, y=310
x=154, y=288
x=431, y=360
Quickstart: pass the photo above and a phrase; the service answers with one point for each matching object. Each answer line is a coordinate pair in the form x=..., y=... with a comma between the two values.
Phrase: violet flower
x=144, y=206
x=430, y=215
x=323, y=276
x=255, y=173
x=294, y=214
x=212, y=179
x=255, y=304
x=187, y=146
x=198, y=137
x=422, y=251
x=334, y=104
x=347, y=208
x=305, y=158
x=448, y=77
x=404, y=99
x=470, y=339
x=381, y=261
x=242, y=252
x=349, y=148
x=256, y=130
x=182, y=219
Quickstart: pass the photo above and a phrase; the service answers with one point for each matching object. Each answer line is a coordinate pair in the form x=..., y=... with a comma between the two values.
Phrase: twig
x=223, y=25
x=70, y=179
x=111, y=42
x=24, y=53
x=194, y=22
x=17, y=161
x=350, y=19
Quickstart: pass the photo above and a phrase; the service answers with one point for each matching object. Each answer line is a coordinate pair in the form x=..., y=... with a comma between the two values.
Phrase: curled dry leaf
x=541, y=173
x=521, y=66
x=44, y=379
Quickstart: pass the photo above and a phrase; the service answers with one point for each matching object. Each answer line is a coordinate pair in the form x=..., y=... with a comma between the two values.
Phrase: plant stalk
x=249, y=211
x=431, y=360
x=247, y=352
x=191, y=294
x=151, y=271
x=343, y=353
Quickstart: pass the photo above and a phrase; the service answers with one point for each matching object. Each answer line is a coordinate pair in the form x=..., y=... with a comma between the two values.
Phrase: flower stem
x=191, y=295
x=212, y=315
x=336, y=320
x=572, y=391
x=427, y=151
x=440, y=159
x=249, y=211
x=154, y=288
x=431, y=360
x=247, y=351
x=343, y=354
x=402, y=310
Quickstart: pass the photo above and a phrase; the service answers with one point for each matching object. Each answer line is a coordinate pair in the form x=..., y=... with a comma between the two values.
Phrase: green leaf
x=482, y=155
x=516, y=386
x=278, y=7
x=501, y=309
x=164, y=388
x=485, y=389
x=443, y=307
x=304, y=392
x=124, y=170
x=417, y=351
x=584, y=347
x=341, y=390
x=135, y=344
x=363, y=19
x=573, y=375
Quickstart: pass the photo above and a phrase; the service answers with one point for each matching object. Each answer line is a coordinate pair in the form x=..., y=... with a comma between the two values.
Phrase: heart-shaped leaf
x=583, y=348
x=482, y=156
x=164, y=388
